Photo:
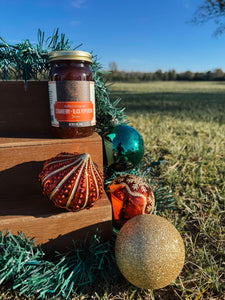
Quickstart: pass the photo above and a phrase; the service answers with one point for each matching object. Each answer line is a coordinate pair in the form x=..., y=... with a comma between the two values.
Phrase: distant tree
x=200, y=76
x=113, y=67
x=126, y=76
x=211, y=10
x=188, y=75
x=218, y=74
x=166, y=76
x=158, y=75
x=147, y=76
x=209, y=75
x=172, y=74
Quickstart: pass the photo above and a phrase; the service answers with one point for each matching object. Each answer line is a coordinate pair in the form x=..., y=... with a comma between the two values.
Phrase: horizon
x=164, y=71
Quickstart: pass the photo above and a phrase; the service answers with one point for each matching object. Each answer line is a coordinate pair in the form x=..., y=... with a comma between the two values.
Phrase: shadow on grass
x=195, y=106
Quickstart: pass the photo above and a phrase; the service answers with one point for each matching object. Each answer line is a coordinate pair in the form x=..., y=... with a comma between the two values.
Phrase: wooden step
x=26, y=142
x=55, y=228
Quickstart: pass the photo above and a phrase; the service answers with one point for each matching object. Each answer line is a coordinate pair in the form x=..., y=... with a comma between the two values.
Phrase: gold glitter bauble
x=149, y=251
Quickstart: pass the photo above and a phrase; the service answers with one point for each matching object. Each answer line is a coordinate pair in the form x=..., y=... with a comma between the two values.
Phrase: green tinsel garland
x=23, y=264
x=27, y=61
x=106, y=111
x=16, y=253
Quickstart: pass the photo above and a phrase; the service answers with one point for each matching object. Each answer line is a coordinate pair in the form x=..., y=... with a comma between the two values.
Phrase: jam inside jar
x=71, y=94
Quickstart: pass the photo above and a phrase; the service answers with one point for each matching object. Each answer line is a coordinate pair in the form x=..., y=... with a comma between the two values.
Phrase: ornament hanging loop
x=115, y=122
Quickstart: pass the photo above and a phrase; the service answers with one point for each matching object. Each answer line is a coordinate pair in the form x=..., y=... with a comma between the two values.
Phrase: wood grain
x=14, y=151
x=52, y=227
x=24, y=112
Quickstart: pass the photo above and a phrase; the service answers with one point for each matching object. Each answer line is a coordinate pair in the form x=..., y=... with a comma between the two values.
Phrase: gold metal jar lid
x=70, y=55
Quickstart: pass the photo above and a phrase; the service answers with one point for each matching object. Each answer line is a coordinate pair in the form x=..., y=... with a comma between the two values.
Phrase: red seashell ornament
x=72, y=181
x=130, y=196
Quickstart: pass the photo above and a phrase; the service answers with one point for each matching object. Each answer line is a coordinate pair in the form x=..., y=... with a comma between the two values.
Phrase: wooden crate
x=24, y=113
x=23, y=150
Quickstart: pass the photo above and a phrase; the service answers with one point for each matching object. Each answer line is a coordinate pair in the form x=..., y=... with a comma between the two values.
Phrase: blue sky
x=142, y=35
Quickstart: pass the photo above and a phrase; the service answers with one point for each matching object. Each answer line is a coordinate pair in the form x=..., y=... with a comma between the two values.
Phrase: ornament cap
x=115, y=121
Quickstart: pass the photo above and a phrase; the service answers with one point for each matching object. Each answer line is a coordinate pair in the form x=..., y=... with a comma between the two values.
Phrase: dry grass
x=184, y=123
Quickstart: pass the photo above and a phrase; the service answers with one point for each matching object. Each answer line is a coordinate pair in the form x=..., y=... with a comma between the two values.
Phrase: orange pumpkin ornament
x=130, y=196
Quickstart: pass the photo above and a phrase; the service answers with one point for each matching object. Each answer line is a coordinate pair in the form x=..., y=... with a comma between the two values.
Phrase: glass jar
x=71, y=94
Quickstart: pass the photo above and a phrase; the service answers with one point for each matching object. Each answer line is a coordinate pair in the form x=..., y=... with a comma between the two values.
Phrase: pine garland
x=146, y=169
x=106, y=111
x=27, y=61
x=16, y=253
x=25, y=266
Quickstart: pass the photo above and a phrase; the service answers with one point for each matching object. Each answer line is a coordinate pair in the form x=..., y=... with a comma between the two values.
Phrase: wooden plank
x=21, y=162
x=54, y=228
x=15, y=151
x=24, y=112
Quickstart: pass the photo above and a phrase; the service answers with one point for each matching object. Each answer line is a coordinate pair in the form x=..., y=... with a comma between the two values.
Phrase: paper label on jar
x=70, y=111
x=72, y=103
x=52, y=100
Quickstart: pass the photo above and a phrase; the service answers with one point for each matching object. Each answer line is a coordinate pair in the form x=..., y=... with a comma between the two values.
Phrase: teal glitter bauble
x=123, y=148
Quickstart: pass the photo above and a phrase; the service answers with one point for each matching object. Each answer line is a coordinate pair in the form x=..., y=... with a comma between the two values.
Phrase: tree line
x=159, y=75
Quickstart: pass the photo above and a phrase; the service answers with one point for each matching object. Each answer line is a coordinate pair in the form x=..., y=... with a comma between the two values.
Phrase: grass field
x=184, y=124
